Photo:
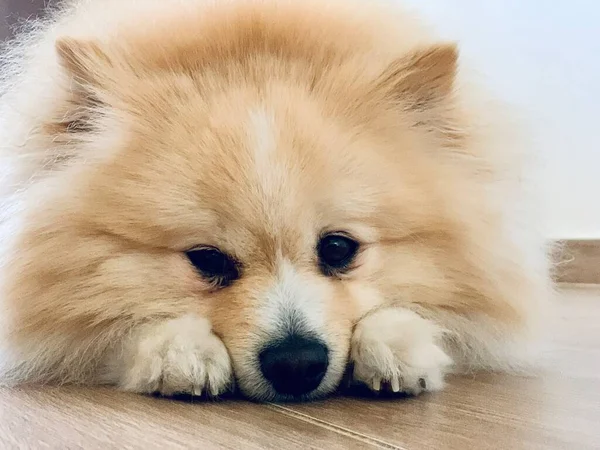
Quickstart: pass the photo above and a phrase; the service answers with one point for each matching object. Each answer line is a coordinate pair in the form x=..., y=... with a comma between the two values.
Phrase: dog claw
x=395, y=384
x=376, y=384
x=197, y=391
x=214, y=391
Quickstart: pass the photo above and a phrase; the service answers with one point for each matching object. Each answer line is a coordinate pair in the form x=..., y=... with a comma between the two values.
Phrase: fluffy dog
x=256, y=193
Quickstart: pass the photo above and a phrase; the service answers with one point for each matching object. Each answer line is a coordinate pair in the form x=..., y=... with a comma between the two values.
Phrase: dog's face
x=281, y=210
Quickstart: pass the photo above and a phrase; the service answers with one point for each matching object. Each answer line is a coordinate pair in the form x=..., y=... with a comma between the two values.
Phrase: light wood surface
x=578, y=261
x=556, y=408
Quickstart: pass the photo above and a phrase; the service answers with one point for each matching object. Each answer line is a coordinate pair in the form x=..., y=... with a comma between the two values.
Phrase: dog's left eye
x=214, y=265
x=336, y=253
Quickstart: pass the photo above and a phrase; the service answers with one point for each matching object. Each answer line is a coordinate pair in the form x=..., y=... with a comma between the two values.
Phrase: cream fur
x=132, y=131
x=176, y=356
x=401, y=348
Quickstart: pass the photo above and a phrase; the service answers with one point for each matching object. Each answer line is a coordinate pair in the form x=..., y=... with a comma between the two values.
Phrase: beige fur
x=171, y=356
x=398, y=346
x=132, y=131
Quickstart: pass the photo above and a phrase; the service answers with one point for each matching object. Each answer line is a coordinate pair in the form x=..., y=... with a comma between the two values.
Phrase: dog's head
x=279, y=183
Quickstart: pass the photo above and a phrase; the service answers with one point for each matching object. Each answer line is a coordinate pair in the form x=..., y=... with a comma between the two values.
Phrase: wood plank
x=578, y=261
x=104, y=419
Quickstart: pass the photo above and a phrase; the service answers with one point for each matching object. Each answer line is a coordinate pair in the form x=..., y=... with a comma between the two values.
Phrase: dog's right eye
x=214, y=265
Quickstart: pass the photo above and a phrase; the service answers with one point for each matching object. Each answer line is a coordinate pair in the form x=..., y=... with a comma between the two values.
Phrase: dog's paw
x=395, y=349
x=180, y=356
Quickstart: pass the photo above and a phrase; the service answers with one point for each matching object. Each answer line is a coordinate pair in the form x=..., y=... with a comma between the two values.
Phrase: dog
x=257, y=194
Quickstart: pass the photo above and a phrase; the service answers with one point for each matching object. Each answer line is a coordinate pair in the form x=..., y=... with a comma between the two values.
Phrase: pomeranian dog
x=257, y=194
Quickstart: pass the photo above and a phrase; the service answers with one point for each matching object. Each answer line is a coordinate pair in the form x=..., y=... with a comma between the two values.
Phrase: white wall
x=544, y=56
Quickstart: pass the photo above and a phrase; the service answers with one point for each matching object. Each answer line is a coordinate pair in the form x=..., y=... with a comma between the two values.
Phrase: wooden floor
x=557, y=409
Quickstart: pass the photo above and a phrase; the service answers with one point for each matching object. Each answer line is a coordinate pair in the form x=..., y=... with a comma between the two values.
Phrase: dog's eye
x=213, y=264
x=336, y=253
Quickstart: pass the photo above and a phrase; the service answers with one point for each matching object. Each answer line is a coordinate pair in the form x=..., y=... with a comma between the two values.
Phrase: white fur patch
x=263, y=137
x=293, y=303
x=263, y=130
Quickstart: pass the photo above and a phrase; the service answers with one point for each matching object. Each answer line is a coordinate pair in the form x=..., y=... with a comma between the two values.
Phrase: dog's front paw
x=396, y=349
x=180, y=356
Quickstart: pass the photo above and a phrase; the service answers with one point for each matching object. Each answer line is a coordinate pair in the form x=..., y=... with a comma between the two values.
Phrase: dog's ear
x=85, y=61
x=423, y=78
x=423, y=83
x=89, y=69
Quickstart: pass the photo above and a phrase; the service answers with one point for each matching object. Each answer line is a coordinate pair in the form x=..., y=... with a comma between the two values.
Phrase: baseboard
x=578, y=261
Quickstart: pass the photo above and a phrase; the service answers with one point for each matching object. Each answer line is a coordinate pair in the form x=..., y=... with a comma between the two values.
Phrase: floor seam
x=338, y=429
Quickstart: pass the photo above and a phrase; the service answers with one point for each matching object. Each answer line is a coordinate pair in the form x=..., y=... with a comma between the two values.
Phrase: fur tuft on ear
x=84, y=60
x=424, y=78
x=422, y=83
x=88, y=68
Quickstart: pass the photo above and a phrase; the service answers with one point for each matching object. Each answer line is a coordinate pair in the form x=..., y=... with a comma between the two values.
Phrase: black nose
x=295, y=365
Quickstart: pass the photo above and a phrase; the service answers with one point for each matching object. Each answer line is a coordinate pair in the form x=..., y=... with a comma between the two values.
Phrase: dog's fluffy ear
x=89, y=69
x=85, y=61
x=423, y=83
x=424, y=78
